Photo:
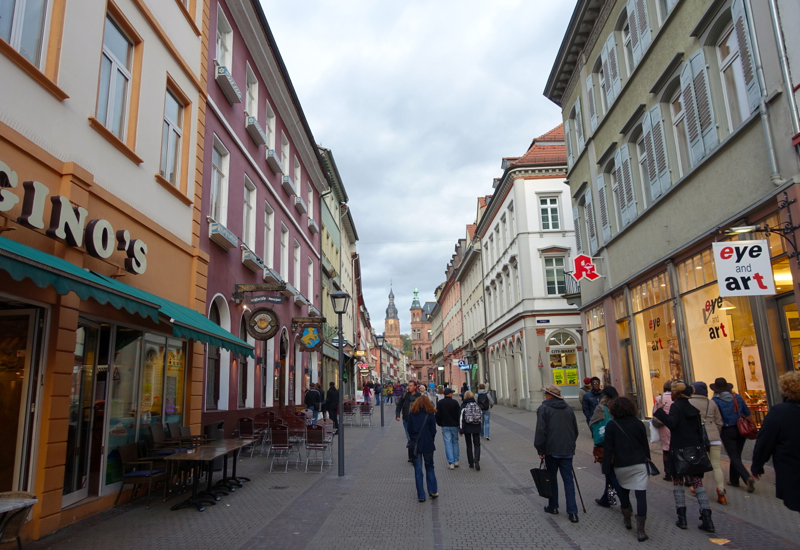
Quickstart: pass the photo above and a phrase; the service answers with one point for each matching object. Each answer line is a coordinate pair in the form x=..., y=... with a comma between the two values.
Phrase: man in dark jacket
x=556, y=434
x=332, y=405
x=312, y=401
x=591, y=399
x=403, y=405
x=447, y=414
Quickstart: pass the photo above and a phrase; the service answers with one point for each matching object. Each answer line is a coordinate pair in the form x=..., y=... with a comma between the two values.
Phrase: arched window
x=212, y=366
x=561, y=339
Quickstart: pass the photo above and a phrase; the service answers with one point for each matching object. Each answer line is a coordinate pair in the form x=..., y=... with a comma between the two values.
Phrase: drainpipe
x=774, y=171
x=784, y=64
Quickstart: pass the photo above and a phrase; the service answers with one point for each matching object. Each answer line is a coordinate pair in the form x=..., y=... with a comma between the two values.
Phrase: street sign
x=463, y=365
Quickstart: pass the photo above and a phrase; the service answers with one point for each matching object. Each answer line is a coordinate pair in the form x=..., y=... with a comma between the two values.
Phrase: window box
x=228, y=85
x=299, y=300
x=288, y=185
x=312, y=226
x=313, y=311
x=274, y=162
x=223, y=236
x=255, y=131
x=299, y=205
x=271, y=276
x=251, y=260
x=290, y=291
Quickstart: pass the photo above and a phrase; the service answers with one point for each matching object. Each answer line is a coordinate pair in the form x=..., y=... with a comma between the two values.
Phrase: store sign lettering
x=656, y=344
x=718, y=329
x=743, y=269
x=68, y=223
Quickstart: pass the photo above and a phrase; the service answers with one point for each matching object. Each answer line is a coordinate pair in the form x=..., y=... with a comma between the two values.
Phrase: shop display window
x=563, y=354
x=598, y=345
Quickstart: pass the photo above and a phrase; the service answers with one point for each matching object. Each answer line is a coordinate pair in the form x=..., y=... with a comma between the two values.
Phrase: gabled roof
x=471, y=230
x=545, y=150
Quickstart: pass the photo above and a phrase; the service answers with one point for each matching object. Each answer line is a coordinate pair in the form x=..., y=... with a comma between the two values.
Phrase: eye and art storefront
x=677, y=324
x=87, y=362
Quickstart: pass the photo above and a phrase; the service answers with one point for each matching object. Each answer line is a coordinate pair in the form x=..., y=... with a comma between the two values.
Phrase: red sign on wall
x=583, y=267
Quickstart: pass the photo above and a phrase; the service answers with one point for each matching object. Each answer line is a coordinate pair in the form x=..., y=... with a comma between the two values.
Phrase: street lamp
x=467, y=373
x=380, y=339
x=340, y=300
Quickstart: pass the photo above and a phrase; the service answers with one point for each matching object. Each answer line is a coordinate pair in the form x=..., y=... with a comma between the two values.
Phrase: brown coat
x=712, y=419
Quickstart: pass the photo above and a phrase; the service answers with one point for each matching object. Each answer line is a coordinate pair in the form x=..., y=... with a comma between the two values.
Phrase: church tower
x=391, y=329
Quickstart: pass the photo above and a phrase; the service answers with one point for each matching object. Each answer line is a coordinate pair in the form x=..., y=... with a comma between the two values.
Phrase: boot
x=640, y=534
x=721, y=499
x=707, y=524
x=626, y=517
x=681, y=517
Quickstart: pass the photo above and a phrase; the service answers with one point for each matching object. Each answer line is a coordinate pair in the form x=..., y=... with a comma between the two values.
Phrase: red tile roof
x=545, y=154
x=471, y=230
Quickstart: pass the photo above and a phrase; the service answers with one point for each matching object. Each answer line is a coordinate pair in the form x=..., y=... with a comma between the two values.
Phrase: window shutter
x=576, y=218
x=590, y=227
x=660, y=148
x=609, y=93
x=590, y=97
x=568, y=142
x=618, y=189
x=650, y=158
x=671, y=4
x=605, y=221
x=745, y=54
x=616, y=83
x=696, y=150
x=705, y=109
x=644, y=24
x=627, y=179
x=633, y=27
x=579, y=125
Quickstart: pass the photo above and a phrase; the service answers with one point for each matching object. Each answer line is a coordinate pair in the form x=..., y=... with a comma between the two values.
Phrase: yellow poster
x=572, y=377
x=558, y=377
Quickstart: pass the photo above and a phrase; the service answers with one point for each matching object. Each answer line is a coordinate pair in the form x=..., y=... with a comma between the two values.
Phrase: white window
x=512, y=224
x=285, y=153
x=504, y=231
x=628, y=47
x=296, y=265
x=252, y=93
x=171, y=139
x=664, y=7
x=219, y=182
x=679, y=133
x=554, y=276
x=22, y=25
x=310, y=287
x=115, y=80
x=270, y=127
x=644, y=176
x=224, y=52
x=284, y=267
x=601, y=77
x=310, y=204
x=297, y=173
x=249, y=215
x=732, y=73
x=269, y=235
x=548, y=210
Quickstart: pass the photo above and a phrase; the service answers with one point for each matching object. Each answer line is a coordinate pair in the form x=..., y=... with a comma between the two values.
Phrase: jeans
x=315, y=410
x=641, y=501
x=473, y=440
x=564, y=465
x=390, y=398
x=450, y=435
x=377, y=399
x=433, y=487
x=734, y=442
x=485, y=424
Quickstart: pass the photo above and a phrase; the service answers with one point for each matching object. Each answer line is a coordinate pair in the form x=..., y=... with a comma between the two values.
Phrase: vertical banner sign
x=744, y=268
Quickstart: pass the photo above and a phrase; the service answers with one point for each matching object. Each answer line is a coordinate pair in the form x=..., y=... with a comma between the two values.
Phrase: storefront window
x=563, y=353
x=598, y=345
x=152, y=383
x=174, y=381
x=121, y=409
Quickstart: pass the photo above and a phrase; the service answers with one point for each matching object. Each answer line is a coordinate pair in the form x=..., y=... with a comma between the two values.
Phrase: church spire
x=415, y=304
x=391, y=311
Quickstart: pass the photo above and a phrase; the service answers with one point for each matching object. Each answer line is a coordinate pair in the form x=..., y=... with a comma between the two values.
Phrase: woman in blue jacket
x=422, y=429
x=728, y=403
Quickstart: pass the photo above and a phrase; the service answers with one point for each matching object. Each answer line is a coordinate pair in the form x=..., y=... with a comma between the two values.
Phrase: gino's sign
x=68, y=223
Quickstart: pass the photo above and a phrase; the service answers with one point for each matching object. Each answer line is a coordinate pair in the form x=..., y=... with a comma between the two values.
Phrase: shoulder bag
x=746, y=428
x=691, y=458
x=599, y=429
x=541, y=478
x=412, y=443
x=651, y=468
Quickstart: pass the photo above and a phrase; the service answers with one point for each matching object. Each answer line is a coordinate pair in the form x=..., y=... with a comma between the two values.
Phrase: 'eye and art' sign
x=744, y=268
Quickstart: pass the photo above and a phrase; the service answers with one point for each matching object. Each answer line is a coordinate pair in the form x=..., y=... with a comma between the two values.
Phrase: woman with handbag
x=626, y=452
x=421, y=434
x=732, y=407
x=597, y=424
x=712, y=423
x=688, y=456
x=663, y=431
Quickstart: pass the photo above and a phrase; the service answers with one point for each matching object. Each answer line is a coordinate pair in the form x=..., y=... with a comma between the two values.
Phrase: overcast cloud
x=419, y=101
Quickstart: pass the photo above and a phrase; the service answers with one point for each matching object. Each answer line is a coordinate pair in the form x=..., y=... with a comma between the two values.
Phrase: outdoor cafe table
x=229, y=446
x=8, y=505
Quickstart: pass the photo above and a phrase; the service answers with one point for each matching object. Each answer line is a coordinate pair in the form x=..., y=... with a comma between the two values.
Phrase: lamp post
x=340, y=300
x=380, y=339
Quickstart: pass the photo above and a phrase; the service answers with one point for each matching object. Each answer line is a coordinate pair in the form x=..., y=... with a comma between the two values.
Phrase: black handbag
x=412, y=443
x=691, y=458
x=652, y=469
x=541, y=478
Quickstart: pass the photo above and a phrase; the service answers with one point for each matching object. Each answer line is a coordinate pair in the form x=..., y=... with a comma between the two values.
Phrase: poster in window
x=559, y=378
x=753, y=375
x=572, y=377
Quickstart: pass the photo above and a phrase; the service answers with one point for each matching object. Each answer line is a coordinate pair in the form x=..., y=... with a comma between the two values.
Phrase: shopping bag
x=655, y=435
x=541, y=478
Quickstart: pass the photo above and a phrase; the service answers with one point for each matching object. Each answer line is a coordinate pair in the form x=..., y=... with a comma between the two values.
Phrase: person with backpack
x=312, y=402
x=469, y=426
x=485, y=402
x=597, y=424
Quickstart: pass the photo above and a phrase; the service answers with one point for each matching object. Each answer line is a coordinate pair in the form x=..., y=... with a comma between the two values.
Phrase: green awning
x=21, y=261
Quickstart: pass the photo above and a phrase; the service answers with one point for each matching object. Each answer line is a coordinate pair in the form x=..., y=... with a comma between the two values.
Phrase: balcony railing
x=573, y=290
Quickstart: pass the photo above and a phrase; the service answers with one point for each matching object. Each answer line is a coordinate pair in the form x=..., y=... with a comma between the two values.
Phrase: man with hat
x=731, y=407
x=556, y=434
x=448, y=412
x=587, y=386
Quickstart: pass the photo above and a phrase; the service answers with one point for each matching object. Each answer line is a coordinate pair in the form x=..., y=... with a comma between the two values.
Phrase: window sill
x=174, y=190
x=188, y=17
x=114, y=140
x=31, y=70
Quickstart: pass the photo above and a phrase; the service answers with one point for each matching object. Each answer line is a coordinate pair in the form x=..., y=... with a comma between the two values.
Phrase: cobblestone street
x=375, y=506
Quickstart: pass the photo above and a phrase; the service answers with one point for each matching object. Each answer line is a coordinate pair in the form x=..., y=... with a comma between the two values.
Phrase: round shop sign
x=263, y=323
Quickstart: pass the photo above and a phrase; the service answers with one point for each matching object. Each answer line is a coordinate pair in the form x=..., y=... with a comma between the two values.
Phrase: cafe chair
x=138, y=472
x=348, y=414
x=282, y=448
x=11, y=529
x=366, y=413
x=245, y=430
x=316, y=444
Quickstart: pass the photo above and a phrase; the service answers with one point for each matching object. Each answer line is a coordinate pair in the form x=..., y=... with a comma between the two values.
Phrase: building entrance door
x=790, y=323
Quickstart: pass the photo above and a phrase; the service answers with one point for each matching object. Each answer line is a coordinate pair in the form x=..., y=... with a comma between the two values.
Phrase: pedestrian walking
x=312, y=401
x=626, y=451
x=591, y=399
x=687, y=453
x=731, y=407
x=403, y=405
x=587, y=386
x=598, y=424
x=332, y=405
x=556, y=434
x=422, y=429
x=389, y=393
x=485, y=402
x=464, y=389
x=366, y=393
x=779, y=439
x=664, y=399
x=398, y=391
x=448, y=413
x=378, y=393
x=712, y=422
x=469, y=425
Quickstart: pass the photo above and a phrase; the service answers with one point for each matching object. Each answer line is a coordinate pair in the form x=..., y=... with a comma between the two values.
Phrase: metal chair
x=12, y=527
x=315, y=443
x=246, y=431
x=138, y=472
x=366, y=412
x=348, y=414
x=327, y=425
x=281, y=445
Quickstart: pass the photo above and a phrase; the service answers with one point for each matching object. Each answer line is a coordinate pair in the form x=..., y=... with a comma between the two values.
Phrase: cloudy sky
x=419, y=101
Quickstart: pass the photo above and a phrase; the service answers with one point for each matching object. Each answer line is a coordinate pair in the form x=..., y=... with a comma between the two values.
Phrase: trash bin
x=214, y=432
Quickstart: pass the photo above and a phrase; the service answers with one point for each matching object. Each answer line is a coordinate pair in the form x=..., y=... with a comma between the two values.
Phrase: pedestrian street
x=375, y=505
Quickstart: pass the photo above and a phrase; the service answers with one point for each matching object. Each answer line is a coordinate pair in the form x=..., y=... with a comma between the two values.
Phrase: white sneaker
x=455, y=464
x=451, y=467
x=487, y=439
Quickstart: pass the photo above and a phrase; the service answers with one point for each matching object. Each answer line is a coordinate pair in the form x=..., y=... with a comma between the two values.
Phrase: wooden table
x=10, y=507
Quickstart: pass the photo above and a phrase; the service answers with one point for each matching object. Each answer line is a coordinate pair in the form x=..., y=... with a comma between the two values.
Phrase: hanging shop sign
x=263, y=323
x=361, y=353
x=744, y=268
x=267, y=299
x=68, y=223
x=309, y=338
x=584, y=268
